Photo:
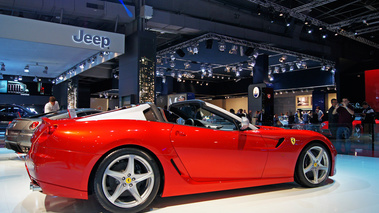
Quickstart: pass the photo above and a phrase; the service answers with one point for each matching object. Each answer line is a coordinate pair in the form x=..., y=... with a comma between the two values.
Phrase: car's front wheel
x=127, y=180
x=313, y=166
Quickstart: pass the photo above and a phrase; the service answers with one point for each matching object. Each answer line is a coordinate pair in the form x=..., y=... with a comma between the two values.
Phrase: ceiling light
x=251, y=63
x=20, y=78
x=187, y=65
x=304, y=64
x=233, y=50
x=283, y=59
x=325, y=35
x=202, y=68
x=190, y=50
x=298, y=64
x=26, y=69
x=172, y=57
x=93, y=59
x=195, y=49
x=310, y=31
x=291, y=67
x=172, y=64
x=2, y=67
x=255, y=53
x=81, y=66
x=45, y=70
x=284, y=69
x=221, y=45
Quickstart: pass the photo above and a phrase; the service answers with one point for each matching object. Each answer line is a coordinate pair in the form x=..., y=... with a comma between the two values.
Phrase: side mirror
x=244, y=123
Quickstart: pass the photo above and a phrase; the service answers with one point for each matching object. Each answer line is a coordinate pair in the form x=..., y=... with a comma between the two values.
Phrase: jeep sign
x=96, y=40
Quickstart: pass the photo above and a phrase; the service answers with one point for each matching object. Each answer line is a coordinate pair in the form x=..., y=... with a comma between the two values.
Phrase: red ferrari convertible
x=127, y=157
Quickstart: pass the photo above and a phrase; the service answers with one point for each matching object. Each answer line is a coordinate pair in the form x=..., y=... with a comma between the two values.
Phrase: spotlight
x=173, y=74
x=60, y=77
x=310, y=31
x=221, y=46
x=2, y=67
x=333, y=70
x=20, y=78
x=180, y=53
x=298, y=64
x=195, y=49
x=251, y=63
x=26, y=69
x=172, y=64
x=238, y=74
x=53, y=81
x=271, y=77
x=93, y=59
x=209, y=43
x=187, y=65
x=15, y=78
x=233, y=50
x=190, y=50
x=255, y=53
x=291, y=67
x=45, y=70
x=283, y=59
x=304, y=64
x=259, y=10
x=81, y=66
x=172, y=57
x=202, y=68
x=284, y=69
x=35, y=79
x=323, y=67
x=325, y=35
x=276, y=71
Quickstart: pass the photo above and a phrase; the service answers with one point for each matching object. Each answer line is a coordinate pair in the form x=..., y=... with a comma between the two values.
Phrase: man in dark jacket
x=368, y=118
x=333, y=119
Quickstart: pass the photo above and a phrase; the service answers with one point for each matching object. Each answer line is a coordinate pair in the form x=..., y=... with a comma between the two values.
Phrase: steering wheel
x=189, y=121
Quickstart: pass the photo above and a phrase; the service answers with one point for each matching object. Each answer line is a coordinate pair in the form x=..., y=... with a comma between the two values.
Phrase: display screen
x=3, y=86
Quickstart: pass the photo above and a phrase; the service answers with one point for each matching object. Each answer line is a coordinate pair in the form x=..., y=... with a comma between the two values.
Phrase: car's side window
x=214, y=121
x=193, y=115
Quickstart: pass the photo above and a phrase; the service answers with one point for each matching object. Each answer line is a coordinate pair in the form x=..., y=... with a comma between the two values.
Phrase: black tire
x=313, y=166
x=137, y=185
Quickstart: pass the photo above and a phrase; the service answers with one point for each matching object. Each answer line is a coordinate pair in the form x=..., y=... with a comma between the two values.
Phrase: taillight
x=34, y=125
x=52, y=129
x=9, y=122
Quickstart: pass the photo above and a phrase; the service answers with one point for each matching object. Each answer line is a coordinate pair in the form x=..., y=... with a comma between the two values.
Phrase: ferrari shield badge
x=293, y=141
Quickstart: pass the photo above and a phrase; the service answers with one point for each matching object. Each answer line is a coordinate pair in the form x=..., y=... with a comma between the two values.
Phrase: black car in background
x=8, y=112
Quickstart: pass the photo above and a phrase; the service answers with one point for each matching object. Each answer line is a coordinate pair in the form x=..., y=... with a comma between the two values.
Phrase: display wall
x=372, y=88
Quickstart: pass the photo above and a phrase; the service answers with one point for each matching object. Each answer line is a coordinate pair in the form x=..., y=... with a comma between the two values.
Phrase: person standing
x=368, y=118
x=333, y=118
x=52, y=105
x=319, y=113
x=345, y=123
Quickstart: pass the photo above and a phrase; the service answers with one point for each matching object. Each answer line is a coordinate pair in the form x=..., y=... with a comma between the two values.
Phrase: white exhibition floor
x=355, y=188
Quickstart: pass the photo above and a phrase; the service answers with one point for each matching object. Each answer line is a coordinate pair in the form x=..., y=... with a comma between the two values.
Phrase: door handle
x=178, y=133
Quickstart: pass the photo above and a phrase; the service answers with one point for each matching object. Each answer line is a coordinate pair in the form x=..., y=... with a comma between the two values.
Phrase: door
x=212, y=148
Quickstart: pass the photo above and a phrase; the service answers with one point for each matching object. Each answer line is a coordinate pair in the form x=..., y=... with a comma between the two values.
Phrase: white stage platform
x=355, y=188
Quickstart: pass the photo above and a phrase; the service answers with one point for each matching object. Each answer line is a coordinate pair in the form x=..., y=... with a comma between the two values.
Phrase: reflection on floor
x=355, y=188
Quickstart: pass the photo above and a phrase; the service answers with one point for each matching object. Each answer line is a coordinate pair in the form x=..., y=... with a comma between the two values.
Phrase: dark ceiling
x=359, y=18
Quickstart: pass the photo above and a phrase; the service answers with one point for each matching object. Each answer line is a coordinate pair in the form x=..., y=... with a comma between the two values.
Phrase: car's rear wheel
x=313, y=166
x=127, y=180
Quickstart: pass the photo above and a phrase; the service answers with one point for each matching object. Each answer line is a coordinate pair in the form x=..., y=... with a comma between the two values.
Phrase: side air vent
x=279, y=142
x=173, y=163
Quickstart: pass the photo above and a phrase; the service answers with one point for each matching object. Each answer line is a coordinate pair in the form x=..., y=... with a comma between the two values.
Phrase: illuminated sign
x=256, y=92
x=88, y=39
